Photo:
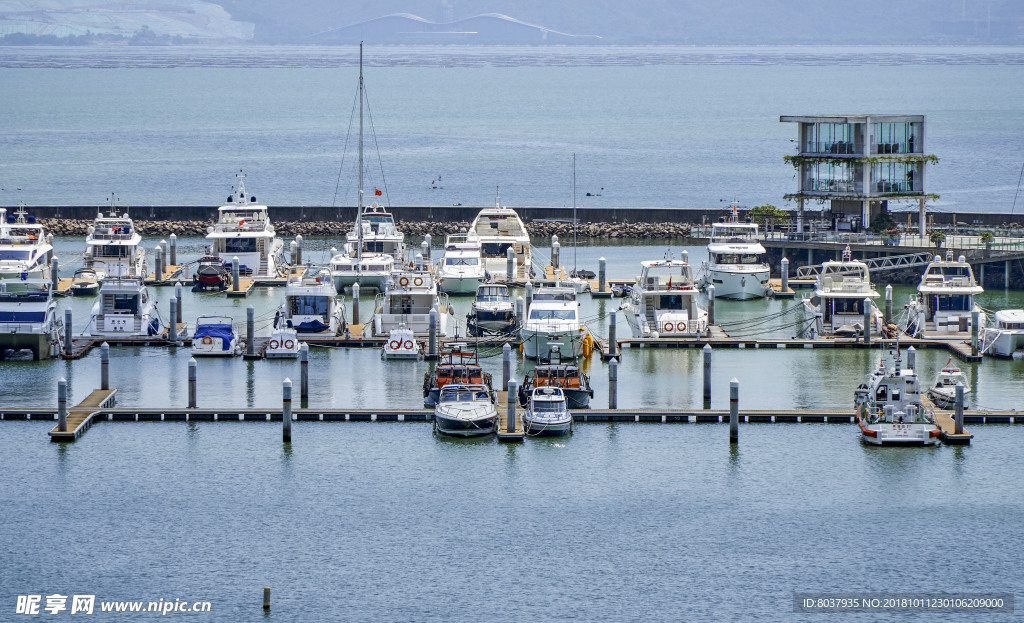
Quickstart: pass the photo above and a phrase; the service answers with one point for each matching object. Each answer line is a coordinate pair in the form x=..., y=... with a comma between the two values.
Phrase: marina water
x=384, y=521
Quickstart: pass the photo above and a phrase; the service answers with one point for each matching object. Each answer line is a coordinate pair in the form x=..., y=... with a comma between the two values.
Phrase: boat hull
x=459, y=285
x=41, y=344
x=738, y=285
x=465, y=427
x=887, y=434
x=540, y=427
x=946, y=398
x=537, y=343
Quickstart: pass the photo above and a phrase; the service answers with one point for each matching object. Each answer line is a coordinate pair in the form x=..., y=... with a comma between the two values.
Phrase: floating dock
x=81, y=416
x=505, y=432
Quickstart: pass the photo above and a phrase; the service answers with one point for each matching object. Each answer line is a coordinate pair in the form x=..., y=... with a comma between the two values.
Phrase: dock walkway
x=505, y=432
x=80, y=417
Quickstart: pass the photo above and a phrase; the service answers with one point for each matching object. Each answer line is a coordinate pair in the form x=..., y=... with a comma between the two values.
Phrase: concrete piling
x=298, y=249
x=867, y=321
x=602, y=265
x=613, y=384
x=192, y=383
x=172, y=326
x=236, y=274
x=711, y=304
x=912, y=358
x=250, y=330
x=520, y=309
x=529, y=296
x=888, y=304
x=173, y=249
x=506, y=366
x=427, y=239
x=510, y=414
x=554, y=251
x=68, y=330
x=177, y=295
x=432, y=335
x=734, y=410
x=54, y=274
x=159, y=263
x=785, y=274
x=293, y=253
x=974, y=332
x=266, y=598
x=510, y=264
x=958, y=413
x=613, y=346
x=355, y=303
x=286, y=410
x=62, y=405
x=707, y=376
x=104, y=366
x=304, y=372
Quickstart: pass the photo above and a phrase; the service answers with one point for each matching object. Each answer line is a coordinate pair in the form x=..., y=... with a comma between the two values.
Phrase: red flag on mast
x=377, y=192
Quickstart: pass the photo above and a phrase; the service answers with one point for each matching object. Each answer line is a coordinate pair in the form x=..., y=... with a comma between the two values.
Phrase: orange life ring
x=408, y=345
x=288, y=344
x=395, y=344
x=668, y=327
x=404, y=281
x=207, y=340
x=681, y=327
x=418, y=281
x=274, y=344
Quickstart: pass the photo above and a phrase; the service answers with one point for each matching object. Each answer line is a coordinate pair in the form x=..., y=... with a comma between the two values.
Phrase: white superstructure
x=736, y=263
x=124, y=308
x=113, y=247
x=243, y=230
x=500, y=229
x=552, y=318
x=837, y=306
x=28, y=318
x=889, y=411
x=311, y=304
x=1005, y=338
x=461, y=268
x=664, y=301
x=407, y=300
x=945, y=300
x=25, y=247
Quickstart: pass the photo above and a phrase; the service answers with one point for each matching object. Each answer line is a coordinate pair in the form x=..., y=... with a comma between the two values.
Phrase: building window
x=831, y=138
x=832, y=176
x=896, y=138
x=896, y=177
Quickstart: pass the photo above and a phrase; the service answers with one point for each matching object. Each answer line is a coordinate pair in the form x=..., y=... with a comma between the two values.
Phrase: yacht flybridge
x=113, y=246
x=736, y=263
x=243, y=230
x=500, y=229
x=25, y=247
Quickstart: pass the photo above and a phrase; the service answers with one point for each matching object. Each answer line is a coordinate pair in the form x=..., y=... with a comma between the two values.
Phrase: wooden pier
x=171, y=274
x=515, y=433
x=80, y=417
x=945, y=422
x=775, y=289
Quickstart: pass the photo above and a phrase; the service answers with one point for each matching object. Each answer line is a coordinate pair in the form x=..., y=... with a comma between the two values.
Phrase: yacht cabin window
x=240, y=245
x=309, y=305
x=670, y=301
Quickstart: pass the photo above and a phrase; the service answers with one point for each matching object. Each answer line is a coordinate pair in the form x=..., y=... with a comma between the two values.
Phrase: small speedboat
x=459, y=364
x=215, y=336
x=85, y=282
x=466, y=410
x=401, y=344
x=283, y=344
x=943, y=389
x=546, y=413
x=211, y=275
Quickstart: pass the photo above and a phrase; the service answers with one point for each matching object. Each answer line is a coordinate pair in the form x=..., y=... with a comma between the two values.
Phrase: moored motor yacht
x=28, y=318
x=311, y=304
x=113, y=246
x=888, y=409
x=664, y=303
x=736, y=263
x=492, y=312
x=466, y=410
x=1005, y=337
x=407, y=300
x=123, y=309
x=25, y=247
x=243, y=230
x=461, y=269
x=552, y=320
x=215, y=336
x=944, y=304
x=547, y=412
x=500, y=229
x=837, y=306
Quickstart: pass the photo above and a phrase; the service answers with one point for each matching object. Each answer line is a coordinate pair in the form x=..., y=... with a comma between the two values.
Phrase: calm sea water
x=379, y=521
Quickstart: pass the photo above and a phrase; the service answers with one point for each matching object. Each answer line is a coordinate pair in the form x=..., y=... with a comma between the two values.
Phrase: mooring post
x=418, y=261
x=785, y=275
x=426, y=239
x=432, y=336
x=602, y=265
x=292, y=253
x=54, y=274
x=298, y=249
x=304, y=372
x=286, y=410
x=192, y=383
x=974, y=333
x=888, y=304
x=355, y=303
x=707, y=376
x=159, y=263
x=554, y=253
x=711, y=305
x=177, y=295
x=236, y=273
x=958, y=414
x=425, y=251
x=266, y=598
x=510, y=412
x=734, y=410
x=506, y=366
x=250, y=330
x=62, y=405
x=173, y=249
x=912, y=358
x=867, y=320
x=510, y=264
x=172, y=326
x=613, y=346
x=104, y=366
x=520, y=309
x=68, y=330
x=613, y=384
x=529, y=296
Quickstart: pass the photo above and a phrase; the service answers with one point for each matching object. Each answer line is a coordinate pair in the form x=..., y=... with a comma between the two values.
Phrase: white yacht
x=243, y=230
x=945, y=300
x=837, y=306
x=492, y=311
x=25, y=247
x=124, y=309
x=311, y=304
x=553, y=319
x=942, y=391
x=28, y=318
x=736, y=263
x=500, y=229
x=113, y=247
x=664, y=301
x=374, y=248
x=1006, y=337
x=461, y=269
x=401, y=344
x=407, y=299
x=215, y=336
x=465, y=410
x=889, y=411
x=546, y=413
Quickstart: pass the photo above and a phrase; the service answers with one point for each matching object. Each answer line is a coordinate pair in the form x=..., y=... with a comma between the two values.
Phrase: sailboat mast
x=359, y=198
x=573, y=213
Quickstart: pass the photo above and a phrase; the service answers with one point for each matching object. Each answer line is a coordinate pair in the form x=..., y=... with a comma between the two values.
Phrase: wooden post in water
x=602, y=265
x=173, y=249
x=613, y=346
x=172, y=326
x=506, y=366
x=104, y=366
x=785, y=275
x=54, y=274
x=355, y=303
x=432, y=335
x=912, y=358
x=888, y=304
x=286, y=410
x=68, y=329
x=734, y=410
x=867, y=321
x=298, y=249
x=958, y=414
x=510, y=413
x=62, y=405
x=707, y=376
x=236, y=274
x=177, y=295
x=974, y=332
x=711, y=305
x=613, y=384
x=250, y=330
x=304, y=372
x=510, y=264
x=266, y=598
x=192, y=383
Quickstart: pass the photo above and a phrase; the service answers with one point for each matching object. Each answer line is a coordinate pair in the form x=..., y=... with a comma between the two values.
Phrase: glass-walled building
x=857, y=164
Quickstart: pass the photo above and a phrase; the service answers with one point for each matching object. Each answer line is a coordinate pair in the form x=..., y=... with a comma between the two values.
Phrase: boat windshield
x=844, y=305
x=462, y=394
x=495, y=249
x=552, y=314
x=670, y=301
x=738, y=258
x=547, y=406
x=113, y=250
x=11, y=254
x=240, y=245
x=309, y=305
x=492, y=294
x=461, y=261
x=554, y=296
x=951, y=302
x=126, y=302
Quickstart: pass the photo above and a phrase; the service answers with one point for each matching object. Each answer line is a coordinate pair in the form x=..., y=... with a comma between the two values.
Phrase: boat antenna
x=574, y=213
x=359, y=195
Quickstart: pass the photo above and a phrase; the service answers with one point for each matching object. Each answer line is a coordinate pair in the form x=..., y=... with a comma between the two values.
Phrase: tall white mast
x=574, y=213
x=359, y=199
